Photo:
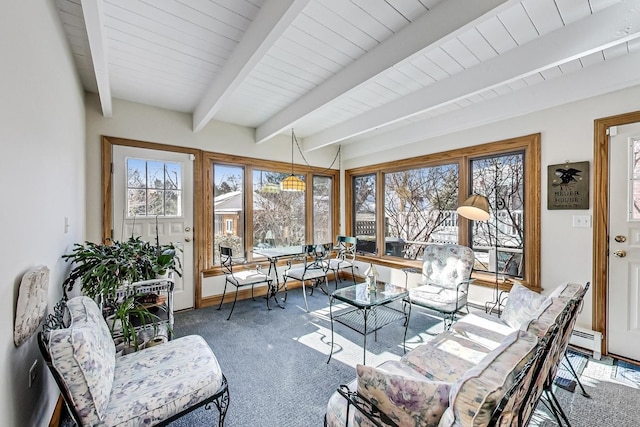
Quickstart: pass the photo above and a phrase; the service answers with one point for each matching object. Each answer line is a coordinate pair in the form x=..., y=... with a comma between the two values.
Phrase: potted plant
x=102, y=269
x=126, y=318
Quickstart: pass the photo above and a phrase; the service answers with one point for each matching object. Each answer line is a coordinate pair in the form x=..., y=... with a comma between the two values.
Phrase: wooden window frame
x=250, y=164
x=529, y=144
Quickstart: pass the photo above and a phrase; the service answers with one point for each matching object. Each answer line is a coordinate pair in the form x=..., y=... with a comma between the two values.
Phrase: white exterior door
x=153, y=197
x=623, y=323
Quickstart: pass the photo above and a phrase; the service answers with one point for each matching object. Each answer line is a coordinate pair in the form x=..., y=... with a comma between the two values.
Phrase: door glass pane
x=155, y=174
x=420, y=207
x=500, y=240
x=147, y=185
x=322, y=202
x=136, y=173
x=634, y=201
x=228, y=209
x=278, y=216
x=364, y=208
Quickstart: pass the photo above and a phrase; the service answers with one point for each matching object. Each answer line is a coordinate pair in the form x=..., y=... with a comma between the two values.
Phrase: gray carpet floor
x=276, y=361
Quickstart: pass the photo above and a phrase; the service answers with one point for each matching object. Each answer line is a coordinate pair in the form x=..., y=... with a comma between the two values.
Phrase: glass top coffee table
x=369, y=311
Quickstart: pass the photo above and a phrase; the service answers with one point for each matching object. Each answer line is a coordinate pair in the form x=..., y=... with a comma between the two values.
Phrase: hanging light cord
x=305, y=159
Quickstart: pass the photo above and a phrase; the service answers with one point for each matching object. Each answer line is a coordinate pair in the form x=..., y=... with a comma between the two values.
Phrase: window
x=228, y=209
x=421, y=195
x=364, y=209
x=420, y=206
x=153, y=188
x=322, y=212
x=278, y=216
x=249, y=210
x=499, y=242
x=634, y=201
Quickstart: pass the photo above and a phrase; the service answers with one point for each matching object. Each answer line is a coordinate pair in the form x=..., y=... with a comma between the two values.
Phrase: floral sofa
x=151, y=387
x=461, y=376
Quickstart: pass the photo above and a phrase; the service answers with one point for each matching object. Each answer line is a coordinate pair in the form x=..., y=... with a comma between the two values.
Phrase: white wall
x=42, y=132
x=567, y=134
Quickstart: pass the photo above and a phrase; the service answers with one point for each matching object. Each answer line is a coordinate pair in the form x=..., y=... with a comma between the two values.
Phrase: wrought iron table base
x=357, y=319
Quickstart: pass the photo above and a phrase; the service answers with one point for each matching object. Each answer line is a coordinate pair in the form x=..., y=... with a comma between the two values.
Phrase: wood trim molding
x=198, y=194
x=600, y=261
x=532, y=164
x=250, y=164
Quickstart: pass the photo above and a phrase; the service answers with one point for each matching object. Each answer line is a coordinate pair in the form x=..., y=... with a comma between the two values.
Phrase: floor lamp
x=476, y=208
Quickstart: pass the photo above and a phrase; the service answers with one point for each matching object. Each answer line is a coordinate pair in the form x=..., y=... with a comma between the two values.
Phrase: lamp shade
x=476, y=208
x=292, y=183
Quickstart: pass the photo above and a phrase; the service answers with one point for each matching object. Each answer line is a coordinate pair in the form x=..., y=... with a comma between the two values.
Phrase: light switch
x=582, y=221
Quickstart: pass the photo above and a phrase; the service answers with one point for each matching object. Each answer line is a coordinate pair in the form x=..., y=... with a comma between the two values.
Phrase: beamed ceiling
x=366, y=74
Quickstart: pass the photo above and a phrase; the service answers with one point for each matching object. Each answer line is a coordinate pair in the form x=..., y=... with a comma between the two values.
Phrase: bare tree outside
x=153, y=188
x=322, y=202
x=420, y=207
x=501, y=180
x=278, y=216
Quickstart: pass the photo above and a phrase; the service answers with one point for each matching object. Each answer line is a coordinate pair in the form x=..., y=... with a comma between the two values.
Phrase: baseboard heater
x=588, y=340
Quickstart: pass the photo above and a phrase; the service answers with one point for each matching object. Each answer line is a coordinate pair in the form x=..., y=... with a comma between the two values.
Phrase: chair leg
x=555, y=406
x=353, y=275
x=304, y=294
x=234, y=303
x=575, y=375
x=222, y=403
x=223, y=293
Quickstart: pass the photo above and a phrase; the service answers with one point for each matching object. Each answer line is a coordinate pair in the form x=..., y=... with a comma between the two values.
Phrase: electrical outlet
x=33, y=373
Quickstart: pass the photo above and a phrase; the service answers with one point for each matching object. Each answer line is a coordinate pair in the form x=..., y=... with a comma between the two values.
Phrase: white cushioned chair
x=153, y=386
x=240, y=278
x=446, y=272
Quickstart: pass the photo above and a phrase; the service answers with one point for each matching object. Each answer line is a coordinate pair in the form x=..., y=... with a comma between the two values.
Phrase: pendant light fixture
x=292, y=182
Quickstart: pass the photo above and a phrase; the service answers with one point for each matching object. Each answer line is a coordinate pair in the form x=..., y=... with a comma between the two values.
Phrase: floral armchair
x=446, y=273
x=153, y=386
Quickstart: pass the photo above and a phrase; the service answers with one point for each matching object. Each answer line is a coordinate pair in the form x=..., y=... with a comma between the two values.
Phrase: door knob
x=620, y=239
x=620, y=253
x=187, y=239
x=188, y=229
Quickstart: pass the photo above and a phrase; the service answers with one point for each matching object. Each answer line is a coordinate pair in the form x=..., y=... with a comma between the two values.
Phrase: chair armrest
x=365, y=407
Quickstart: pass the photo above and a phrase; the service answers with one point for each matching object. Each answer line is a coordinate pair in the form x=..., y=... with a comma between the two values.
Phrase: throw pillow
x=521, y=306
x=403, y=394
x=476, y=394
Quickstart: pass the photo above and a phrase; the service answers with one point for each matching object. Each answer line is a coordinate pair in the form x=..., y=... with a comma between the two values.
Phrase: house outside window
x=228, y=208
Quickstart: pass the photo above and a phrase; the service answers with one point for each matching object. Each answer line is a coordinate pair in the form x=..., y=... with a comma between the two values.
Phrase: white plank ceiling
x=367, y=74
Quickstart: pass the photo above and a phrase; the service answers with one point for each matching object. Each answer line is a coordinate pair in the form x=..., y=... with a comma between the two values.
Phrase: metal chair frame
x=253, y=277
x=345, y=257
x=314, y=268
